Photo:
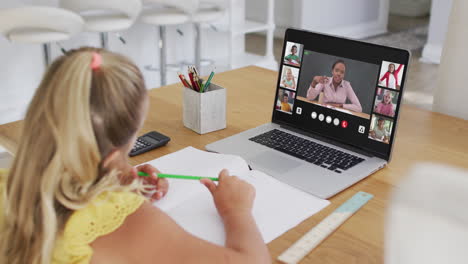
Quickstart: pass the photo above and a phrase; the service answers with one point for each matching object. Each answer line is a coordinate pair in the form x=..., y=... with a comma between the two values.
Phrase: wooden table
x=360, y=114
x=421, y=136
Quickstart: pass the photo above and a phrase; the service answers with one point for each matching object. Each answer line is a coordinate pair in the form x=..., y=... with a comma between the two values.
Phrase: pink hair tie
x=97, y=61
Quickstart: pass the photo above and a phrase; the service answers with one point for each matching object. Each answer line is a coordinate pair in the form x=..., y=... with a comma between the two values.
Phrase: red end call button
x=344, y=124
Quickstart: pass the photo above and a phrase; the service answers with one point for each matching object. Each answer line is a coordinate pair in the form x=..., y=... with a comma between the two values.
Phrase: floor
x=420, y=84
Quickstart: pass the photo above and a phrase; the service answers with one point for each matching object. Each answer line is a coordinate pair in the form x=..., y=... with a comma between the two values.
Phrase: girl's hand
x=160, y=185
x=231, y=195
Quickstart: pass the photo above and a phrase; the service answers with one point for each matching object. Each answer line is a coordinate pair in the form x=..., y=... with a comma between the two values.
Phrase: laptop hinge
x=327, y=140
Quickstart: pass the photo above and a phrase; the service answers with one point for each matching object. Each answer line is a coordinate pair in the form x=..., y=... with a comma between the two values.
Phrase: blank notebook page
x=278, y=207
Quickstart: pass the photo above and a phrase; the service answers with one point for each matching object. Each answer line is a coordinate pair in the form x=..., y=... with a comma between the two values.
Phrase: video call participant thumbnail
x=336, y=90
x=284, y=101
x=385, y=102
x=289, y=77
x=380, y=129
x=390, y=76
x=293, y=54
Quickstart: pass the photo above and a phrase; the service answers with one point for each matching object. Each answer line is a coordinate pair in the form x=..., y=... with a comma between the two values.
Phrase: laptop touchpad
x=274, y=161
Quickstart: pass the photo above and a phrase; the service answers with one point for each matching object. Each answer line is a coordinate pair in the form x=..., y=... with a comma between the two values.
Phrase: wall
x=352, y=19
x=440, y=12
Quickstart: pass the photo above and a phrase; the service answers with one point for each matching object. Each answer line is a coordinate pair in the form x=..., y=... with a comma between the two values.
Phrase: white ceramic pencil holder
x=205, y=112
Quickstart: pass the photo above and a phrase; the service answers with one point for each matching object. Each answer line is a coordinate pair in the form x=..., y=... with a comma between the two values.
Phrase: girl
x=391, y=77
x=288, y=81
x=385, y=107
x=72, y=197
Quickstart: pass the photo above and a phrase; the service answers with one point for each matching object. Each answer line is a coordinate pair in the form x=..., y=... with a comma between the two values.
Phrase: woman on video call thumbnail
x=336, y=90
x=391, y=77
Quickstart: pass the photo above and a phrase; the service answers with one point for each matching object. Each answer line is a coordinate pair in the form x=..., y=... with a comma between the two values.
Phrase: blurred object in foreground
x=427, y=220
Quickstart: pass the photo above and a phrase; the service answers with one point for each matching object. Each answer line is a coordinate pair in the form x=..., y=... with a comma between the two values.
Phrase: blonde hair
x=76, y=118
x=389, y=93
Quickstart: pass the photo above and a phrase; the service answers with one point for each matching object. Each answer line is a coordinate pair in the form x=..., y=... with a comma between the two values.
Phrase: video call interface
x=345, y=98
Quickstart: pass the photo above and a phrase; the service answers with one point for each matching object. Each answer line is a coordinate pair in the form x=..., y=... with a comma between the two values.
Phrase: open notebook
x=277, y=207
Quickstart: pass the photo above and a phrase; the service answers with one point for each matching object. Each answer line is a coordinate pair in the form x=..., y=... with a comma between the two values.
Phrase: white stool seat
x=163, y=16
x=37, y=36
x=37, y=24
x=207, y=15
x=107, y=22
x=105, y=15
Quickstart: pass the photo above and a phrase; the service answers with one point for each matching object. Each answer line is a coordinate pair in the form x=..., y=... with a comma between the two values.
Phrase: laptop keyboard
x=307, y=150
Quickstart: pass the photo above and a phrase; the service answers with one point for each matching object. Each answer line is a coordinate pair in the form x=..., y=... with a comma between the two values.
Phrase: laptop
x=334, y=116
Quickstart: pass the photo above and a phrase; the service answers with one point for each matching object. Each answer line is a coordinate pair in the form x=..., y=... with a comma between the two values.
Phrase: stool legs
x=47, y=54
x=104, y=40
x=197, y=46
x=162, y=54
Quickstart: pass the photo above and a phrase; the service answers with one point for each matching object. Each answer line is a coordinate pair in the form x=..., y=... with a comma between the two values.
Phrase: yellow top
x=101, y=216
x=285, y=107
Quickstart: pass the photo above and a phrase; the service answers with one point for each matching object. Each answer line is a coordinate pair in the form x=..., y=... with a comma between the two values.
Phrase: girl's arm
x=294, y=84
x=150, y=236
x=399, y=68
x=385, y=76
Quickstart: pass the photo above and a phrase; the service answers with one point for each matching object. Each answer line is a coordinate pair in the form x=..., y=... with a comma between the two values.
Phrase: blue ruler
x=320, y=232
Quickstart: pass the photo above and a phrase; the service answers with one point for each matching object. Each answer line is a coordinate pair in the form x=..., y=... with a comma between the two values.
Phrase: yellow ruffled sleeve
x=102, y=216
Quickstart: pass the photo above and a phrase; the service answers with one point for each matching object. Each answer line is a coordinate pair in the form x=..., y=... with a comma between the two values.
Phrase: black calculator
x=147, y=142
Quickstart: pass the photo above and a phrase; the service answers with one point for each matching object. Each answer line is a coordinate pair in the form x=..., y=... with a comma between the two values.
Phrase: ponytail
x=77, y=116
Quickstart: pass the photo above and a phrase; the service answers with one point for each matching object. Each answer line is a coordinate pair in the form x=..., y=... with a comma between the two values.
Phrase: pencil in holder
x=205, y=112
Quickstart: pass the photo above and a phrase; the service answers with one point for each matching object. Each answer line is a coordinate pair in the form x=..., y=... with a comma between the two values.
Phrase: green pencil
x=207, y=83
x=172, y=176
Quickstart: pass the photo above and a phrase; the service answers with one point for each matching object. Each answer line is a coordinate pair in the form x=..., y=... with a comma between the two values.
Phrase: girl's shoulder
x=103, y=215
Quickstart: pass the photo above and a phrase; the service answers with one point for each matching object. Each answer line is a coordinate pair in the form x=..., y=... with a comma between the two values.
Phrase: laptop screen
x=341, y=89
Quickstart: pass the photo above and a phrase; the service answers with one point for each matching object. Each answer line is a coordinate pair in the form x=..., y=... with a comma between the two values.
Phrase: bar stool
x=39, y=25
x=208, y=11
x=105, y=16
x=163, y=13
